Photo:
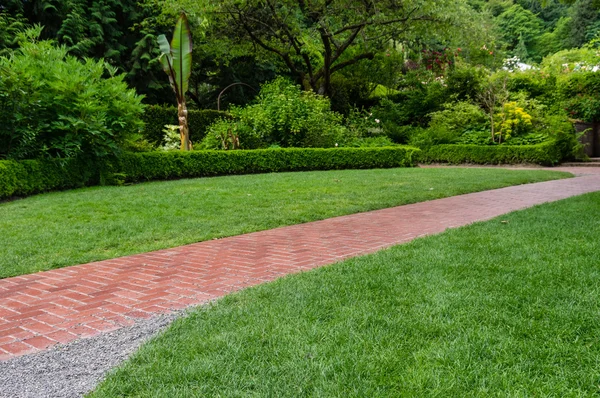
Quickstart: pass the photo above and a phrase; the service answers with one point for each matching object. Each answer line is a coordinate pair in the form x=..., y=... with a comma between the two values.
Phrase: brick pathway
x=59, y=306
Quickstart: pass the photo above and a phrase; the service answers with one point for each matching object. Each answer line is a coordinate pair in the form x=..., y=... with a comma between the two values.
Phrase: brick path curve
x=40, y=310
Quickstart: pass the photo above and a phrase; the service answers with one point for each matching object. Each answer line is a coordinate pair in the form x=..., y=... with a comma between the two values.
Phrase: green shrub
x=27, y=177
x=170, y=165
x=465, y=82
x=285, y=116
x=155, y=118
x=581, y=93
x=533, y=83
x=54, y=105
x=392, y=116
x=419, y=97
x=548, y=153
x=459, y=117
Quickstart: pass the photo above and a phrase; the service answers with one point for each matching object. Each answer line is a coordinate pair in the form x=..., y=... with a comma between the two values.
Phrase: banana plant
x=176, y=60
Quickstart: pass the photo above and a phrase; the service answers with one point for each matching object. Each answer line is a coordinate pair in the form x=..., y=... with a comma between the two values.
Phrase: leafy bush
x=548, y=153
x=53, y=105
x=448, y=125
x=420, y=95
x=464, y=82
x=283, y=115
x=459, y=117
x=156, y=117
x=581, y=93
x=534, y=83
x=512, y=121
x=392, y=116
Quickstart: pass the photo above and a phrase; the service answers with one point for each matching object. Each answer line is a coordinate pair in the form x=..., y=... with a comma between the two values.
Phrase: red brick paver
x=59, y=306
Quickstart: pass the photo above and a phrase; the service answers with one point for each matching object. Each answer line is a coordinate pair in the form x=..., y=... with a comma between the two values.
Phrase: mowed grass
x=505, y=308
x=66, y=228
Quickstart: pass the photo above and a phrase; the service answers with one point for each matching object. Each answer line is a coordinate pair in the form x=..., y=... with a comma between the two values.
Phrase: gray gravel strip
x=73, y=369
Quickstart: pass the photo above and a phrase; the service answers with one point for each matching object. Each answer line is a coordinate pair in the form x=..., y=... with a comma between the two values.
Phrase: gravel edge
x=76, y=368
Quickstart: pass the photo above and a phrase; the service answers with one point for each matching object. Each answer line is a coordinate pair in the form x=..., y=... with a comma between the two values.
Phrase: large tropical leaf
x=181, y=50
x=166, y=60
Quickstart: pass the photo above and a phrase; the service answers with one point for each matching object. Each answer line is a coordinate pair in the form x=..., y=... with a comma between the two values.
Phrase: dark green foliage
x=155, y=118
x=28, y=177
x=53, y=105
x=122, y=32
x=584, y=26
x=464, y=82
x=519, y=25
x=282, y=115
x=418, y=101
x=545, y=154
x=169, y=165
x=10, y=26
x=533, y=83
x=581, y=93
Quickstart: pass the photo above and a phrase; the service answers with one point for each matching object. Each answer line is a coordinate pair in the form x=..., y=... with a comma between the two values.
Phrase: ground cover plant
x=501, y=308
x=66, y=228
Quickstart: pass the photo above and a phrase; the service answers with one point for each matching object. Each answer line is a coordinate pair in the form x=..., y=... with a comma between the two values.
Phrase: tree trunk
x=182, y=114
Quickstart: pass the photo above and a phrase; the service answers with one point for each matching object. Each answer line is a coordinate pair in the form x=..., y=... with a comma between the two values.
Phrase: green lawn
x=505, y=308
x=66, y=228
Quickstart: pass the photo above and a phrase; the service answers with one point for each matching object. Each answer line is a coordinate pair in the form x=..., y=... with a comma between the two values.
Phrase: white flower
x=376, y=120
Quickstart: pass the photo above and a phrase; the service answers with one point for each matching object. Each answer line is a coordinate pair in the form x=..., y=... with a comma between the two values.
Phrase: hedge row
x=27, y=177
x=34, y=176
x=156, y=117
x=166, y=165
x=547, y=154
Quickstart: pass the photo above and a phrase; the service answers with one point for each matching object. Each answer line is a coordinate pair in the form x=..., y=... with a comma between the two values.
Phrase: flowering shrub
x=512, y=121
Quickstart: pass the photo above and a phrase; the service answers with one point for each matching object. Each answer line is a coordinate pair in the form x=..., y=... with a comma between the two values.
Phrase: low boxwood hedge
x=547, y=154
x=26, y=177
x=167, y=165
x=33, y=176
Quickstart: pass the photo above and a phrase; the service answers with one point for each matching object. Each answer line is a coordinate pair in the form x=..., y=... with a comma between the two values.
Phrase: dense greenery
x=66, y=228
x=53, y=105
x=504, y=308
x=155, y=118
x=311, y=74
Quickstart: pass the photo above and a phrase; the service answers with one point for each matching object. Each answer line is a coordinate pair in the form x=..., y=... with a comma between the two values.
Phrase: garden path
x=40, y=310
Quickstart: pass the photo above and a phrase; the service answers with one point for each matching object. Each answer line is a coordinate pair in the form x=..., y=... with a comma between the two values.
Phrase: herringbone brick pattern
x=40, y=310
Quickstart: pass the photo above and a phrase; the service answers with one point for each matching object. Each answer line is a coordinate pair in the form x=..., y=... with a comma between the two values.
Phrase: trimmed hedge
x=156, y=117
x=547, y=153
x=169, y=165
x=27, y=177
x=34, y=176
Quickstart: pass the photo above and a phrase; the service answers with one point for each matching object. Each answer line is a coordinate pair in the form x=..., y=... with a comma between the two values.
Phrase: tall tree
x=315, y=39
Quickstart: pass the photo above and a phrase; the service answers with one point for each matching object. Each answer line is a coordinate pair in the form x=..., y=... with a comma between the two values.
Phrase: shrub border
x=22, y=178
x=547, y=154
